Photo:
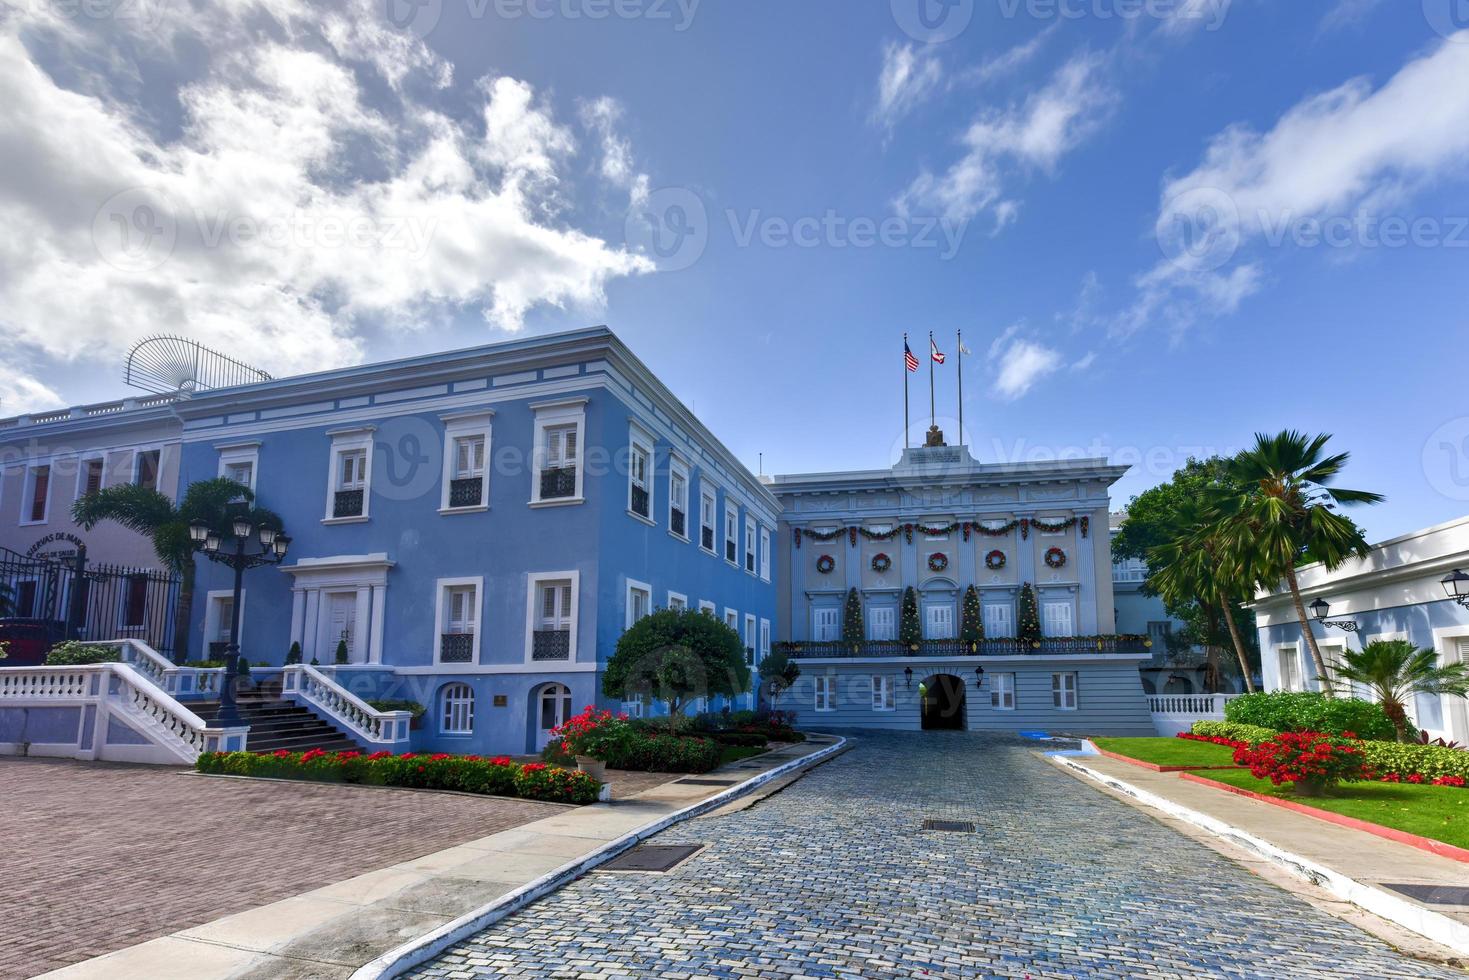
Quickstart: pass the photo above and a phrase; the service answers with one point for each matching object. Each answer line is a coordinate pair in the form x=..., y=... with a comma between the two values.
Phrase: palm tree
x=166, y=525
x=1288, y=517
x=1397, y=671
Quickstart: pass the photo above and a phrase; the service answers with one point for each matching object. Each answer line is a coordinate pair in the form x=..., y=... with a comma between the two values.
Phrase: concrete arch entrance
x=943, y=703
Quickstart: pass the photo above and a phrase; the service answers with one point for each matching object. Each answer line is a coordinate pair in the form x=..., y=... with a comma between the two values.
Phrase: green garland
x=1023, y=524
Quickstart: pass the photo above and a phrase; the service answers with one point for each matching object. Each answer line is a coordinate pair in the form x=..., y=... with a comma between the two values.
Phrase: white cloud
x=1355, y=150
x=1002, y=147
x=603, y=116
x=287, y=213
x=20, y=393
x=1348, y=13
x=909, y=76
x=1020, y=363
x=1012, y=60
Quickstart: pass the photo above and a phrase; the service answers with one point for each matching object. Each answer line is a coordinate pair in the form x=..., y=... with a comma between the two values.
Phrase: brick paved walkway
x=834, y=878
x=97, y=857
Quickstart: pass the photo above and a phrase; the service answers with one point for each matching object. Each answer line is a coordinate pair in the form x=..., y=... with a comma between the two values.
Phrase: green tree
x=852, y=629
x=341, y=654
x=293, y=655
x=1288, y=517
x=971, y=625
x=910, y=630
x=676, y=656
x=778, y=672
x=166, y=525
x=1029, y=629
x=1396, y=671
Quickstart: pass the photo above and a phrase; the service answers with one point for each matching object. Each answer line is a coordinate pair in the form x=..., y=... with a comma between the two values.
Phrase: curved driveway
x=834, y=878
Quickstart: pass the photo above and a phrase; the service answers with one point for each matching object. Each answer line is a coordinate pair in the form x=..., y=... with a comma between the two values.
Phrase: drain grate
x=950, y=826
x=707, y=782
x=652, y=857
x=1433, y=894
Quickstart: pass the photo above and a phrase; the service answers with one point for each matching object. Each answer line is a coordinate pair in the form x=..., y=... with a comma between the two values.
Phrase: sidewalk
x=331, y=932
x=1356, y=866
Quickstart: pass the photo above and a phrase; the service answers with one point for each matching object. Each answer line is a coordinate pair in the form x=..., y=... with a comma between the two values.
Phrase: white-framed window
x=938, y=621
x=35, y=505
x=1002, y=691
x=634, y=707
x=732, y=618
x=826, y=624
x=466, y=477
x=91, y=476
x=640, y=475
x=457, y=620
x=882, y=692
x=556, y=471
x=708, y=506
x=678, y=601
x=1333, y=653
x=1063, y=691
x=678, y=499
x=750, y=540
x=240, y=462
x=750, y=639
x=147, y=463
x=219, y=612
x=731, y=531
x=764, y=640
x=639, y=601
x=1056, y=619
x=551, y=617
x=1129, y=570
x=999, y=620
x=1053, y=534
x=705, y=606
x=458, y=710
x=882, y=623
x=1289, y=659
x=349, y=491
x=765, y=554
x=824, y=686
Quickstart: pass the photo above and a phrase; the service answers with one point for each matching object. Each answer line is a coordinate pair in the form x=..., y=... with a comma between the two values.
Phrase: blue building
x=478, y=528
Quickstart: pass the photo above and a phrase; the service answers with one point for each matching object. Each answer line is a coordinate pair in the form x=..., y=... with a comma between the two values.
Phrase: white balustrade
x=1174, y=713
x=306, y=684
x=176, y=680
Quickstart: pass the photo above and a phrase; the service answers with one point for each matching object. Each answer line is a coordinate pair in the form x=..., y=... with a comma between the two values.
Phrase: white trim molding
x=473, y=620
x=533, y=583
x=466, y=425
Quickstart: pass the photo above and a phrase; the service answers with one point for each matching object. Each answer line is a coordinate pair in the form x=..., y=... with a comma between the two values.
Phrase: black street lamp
x=273, y=547
x=979, y=677
x=1321, y=609
x=1456, y=586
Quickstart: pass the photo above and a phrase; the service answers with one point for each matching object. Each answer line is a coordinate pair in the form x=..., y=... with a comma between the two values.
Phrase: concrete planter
x=592, y=767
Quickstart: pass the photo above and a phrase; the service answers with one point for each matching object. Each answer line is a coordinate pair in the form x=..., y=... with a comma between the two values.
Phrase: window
x=640, y=476
x=348, y=492
x=882, y=623
x=1129, y=570
x=706, y=519
x=91, y=478
x=26, y=594
x=750, y=540
x=749, y=639
x=240, y=462
x=731, y=531
x=145, y=469
x=882, y=692
x=705, y=606
x=458, y=710
x=556, y=461
x=823, y=686
x=1002, y=691
x=732, y=619
x=241, y=472
x=135, y=602
x=37, y=495
x=999, y=620
x=633, y=708
x=218, y=618
x=466, y=476
x=458, y=621
x=1289, y=659
x=765, y=553
x=764, y=640
x=1159, y=632
x=1063, y=691
x=938, y=622
x=551, y=625
x=639, y=601
x=678, y=602
x=1056, y=619
x=678, y=500
x=825, y=624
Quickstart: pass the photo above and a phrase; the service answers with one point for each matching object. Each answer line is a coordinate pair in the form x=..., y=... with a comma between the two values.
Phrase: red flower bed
x=1311, y=761
x=1233, y=743
x=1414, y=778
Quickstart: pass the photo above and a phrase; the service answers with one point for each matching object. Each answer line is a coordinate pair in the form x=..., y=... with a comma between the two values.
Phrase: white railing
x=1174, y=713
x=171, y=733
x=177, y=681
x=307, y=685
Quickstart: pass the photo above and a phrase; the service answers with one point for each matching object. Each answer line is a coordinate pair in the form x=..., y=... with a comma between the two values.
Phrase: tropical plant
x=1395, y=671
x=853, y=632
x=971, y=624
x=1288, y=517
x=74, y=653
x=778, y=672
x=293, y=655
x=166, y=524
x=1029, y=629
x=1311, y=761
x=910, y=630
x=676, y=656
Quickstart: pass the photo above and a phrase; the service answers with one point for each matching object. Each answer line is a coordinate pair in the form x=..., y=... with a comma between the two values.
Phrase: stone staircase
x=278, y=724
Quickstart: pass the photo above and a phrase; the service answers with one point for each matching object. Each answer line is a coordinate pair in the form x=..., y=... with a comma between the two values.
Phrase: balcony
x=640, y=501
x=558, y=483
x=456, y=648
x=551, y=645
x=467, y=492
x=348, y=503
x=676, y=522
x=1000, y=647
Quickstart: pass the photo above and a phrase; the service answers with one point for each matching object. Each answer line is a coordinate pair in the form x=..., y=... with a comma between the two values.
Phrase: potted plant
x=588, y=737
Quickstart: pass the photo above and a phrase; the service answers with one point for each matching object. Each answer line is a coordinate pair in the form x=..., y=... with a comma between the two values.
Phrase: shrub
x=555, y=753
x=755, y=740
x=1390, y=759
x=642, y=752
x=1313, y=762
x=538, y=781
x=593, y=733
x=676, y=656
x=1234, y=731
x=293, y=656
x=73, y=653
x=341, y=656
x=1310, y=711
x=394, y=704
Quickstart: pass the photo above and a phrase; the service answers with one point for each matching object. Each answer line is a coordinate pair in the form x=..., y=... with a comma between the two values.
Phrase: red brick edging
x=1401, y=836
x=1155, y=767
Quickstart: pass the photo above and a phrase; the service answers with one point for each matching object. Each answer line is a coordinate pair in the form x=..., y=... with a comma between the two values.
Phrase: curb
x=1425, y=922
x=416, y=951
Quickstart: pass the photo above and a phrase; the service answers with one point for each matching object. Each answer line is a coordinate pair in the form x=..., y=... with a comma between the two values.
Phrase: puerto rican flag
x=908, y=358
x=938, y=356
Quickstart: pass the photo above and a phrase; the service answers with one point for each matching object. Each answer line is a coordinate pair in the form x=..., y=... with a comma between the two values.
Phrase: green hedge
x=75, y=654
x=744, y=739
x=1253, y=734
x=642, y=752
x=464, y=773
x=1310, y=711
x=1430, y=761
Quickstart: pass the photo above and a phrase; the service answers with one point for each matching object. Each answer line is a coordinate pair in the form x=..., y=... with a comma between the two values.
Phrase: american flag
x=938, y=356
x=908, y=357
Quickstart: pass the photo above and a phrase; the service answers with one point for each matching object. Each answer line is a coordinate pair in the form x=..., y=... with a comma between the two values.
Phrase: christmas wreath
x=881, y=563
x=1055, y=558
x=825, y=564
x=995, y=560
x=938, y=561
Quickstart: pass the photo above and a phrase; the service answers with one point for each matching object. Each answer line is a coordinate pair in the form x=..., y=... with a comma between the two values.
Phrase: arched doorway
x=550, y=707
x=943, y=703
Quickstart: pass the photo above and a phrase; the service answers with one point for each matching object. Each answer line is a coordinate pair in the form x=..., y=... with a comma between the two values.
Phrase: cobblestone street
x=834, y=878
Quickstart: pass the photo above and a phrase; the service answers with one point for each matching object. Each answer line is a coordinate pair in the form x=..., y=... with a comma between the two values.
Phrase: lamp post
x=273, y=546
x=1321, y=609
x=1456, y=586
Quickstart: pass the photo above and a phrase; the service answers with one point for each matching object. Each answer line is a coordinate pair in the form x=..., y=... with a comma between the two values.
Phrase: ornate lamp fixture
x=1456, y=585
x=1321, y=609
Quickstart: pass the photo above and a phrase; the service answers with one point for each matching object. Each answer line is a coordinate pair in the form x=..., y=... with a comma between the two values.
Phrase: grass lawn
x=1438, y=812
x=734, y=753
x=1169, y=751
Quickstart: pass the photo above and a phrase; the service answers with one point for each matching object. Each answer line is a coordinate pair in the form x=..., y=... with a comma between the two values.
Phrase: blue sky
x=1121, y=208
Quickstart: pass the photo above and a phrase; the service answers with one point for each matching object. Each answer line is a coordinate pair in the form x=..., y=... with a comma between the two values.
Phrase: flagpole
x=961, y=387
x=906, y=372
x=933, y=419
